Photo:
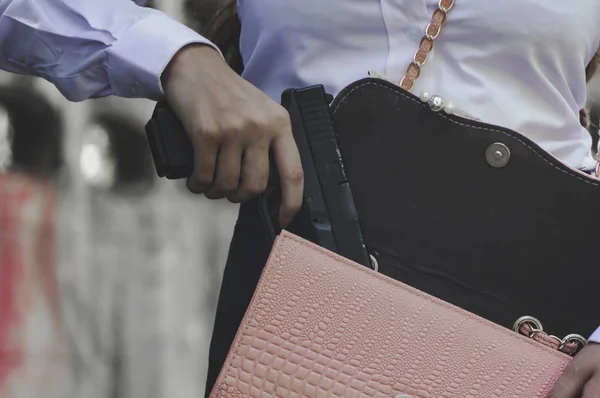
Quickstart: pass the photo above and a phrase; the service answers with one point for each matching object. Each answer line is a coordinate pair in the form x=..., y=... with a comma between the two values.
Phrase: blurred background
x=108, y=276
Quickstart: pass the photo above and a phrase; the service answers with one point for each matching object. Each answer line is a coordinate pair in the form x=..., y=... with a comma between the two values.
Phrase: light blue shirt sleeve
x=91, y=48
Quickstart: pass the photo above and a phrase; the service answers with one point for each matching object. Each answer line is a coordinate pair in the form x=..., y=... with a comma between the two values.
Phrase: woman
x=518, y=64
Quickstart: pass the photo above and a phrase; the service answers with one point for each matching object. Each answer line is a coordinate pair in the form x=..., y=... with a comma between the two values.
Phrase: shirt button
x=414, y=32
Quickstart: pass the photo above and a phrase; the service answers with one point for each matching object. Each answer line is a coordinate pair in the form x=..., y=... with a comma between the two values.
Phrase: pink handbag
x=320, y=325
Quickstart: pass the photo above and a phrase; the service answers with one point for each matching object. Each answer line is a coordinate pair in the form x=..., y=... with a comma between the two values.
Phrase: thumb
x=570, y=384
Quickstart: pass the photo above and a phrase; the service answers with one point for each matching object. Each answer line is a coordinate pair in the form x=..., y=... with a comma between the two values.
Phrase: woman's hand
x=582, y=376
x=232, y=125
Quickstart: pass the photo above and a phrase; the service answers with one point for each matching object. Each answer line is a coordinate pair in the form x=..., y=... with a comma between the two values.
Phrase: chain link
x=433, y=30
x=532, y=328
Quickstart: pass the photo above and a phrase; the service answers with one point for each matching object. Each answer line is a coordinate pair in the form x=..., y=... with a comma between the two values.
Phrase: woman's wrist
x=190, y=58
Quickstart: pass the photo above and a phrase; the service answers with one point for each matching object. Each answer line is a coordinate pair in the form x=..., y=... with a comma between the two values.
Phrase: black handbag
x=475, y=214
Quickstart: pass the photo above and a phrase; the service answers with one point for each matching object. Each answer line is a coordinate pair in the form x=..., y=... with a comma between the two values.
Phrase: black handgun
x=328, y=216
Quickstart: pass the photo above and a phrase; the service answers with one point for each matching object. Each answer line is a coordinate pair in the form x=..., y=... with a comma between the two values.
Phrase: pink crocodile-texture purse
x=320, y=325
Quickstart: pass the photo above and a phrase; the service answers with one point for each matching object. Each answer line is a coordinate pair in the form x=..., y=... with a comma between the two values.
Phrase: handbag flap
x=322, y=326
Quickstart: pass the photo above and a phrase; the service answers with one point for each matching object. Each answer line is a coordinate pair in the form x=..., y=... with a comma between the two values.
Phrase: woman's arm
x=91, y=49
x=96, y=48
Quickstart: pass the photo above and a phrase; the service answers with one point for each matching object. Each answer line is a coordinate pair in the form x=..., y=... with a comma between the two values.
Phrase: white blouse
x=519, y=64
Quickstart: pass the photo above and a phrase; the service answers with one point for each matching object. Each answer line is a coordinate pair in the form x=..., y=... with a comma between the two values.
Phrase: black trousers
x=248, y=254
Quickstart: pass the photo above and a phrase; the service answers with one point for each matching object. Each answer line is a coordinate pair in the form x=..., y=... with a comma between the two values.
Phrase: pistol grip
x=170, y=145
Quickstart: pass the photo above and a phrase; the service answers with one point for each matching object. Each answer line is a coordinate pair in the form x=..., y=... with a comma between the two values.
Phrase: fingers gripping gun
x=328, y=216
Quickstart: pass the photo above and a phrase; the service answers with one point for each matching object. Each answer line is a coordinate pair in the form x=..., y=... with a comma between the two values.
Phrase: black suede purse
x=475, y=214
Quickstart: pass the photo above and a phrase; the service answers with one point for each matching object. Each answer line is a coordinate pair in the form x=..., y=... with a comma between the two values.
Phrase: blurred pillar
x=33, y=346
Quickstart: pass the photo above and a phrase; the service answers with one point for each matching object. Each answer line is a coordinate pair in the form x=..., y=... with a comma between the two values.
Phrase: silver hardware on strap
x=536, y=329
x=534, y=322
x=374, y=263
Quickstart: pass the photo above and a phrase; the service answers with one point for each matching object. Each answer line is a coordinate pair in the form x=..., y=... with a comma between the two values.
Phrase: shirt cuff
x=595, y=337
x=139, y=57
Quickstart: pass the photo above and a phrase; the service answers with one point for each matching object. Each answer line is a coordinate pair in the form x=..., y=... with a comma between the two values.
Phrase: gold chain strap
x=431, y=33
